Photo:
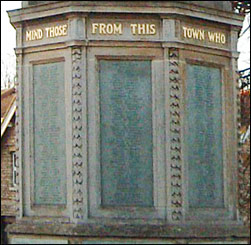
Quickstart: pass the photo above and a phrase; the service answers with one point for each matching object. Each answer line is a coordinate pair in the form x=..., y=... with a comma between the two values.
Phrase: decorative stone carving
x=175, y=134
x=17, y=127
x=77, y=134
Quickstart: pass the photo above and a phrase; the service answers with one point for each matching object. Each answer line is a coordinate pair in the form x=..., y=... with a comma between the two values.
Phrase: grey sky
x=8, y=33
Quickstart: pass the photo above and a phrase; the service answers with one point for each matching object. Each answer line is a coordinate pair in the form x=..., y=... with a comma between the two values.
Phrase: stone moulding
x=17, y=126
x=131, y=230
x=175, y=135
x=77, y=156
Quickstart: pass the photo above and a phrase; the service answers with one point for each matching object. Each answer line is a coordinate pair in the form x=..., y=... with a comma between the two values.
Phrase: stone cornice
x=162, y=8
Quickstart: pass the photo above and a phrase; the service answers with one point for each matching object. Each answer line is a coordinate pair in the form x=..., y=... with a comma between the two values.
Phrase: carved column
x=175, y=135
x=19, y=116
x=18, y=135
x=77, y=139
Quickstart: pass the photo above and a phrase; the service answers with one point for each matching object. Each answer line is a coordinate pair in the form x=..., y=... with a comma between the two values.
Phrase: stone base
x=51, y=233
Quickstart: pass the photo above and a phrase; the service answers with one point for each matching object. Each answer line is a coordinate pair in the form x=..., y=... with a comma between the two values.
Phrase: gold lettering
x=195, y=33
x=47, y=31
x=147, y=29
x=109, y=29
x=199, y=34
x=94, y=28
x=223, y=39
x=141, y=29
x=102, y=28
x=118, y=28
x=40, y=33
x=64, y=32
x=211, y=36
x=152, y=29
x=185, y=31
x=35, y=36
x=52, y=34
x=60, y=30
x=189, y=33
x=56, y=31
x=32, y=35
x=202, y=35
x=133, y=27
x=28, y=36
x=218, y=36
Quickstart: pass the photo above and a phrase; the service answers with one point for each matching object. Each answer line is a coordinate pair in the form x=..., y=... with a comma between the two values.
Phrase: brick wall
x=8, y=193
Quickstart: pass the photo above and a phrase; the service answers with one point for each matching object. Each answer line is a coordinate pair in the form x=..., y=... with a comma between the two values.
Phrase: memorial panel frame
x=228, y=213
x=159, y=165
x=30, y=209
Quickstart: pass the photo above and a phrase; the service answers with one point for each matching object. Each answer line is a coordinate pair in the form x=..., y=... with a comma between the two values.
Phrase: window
x=14, y=168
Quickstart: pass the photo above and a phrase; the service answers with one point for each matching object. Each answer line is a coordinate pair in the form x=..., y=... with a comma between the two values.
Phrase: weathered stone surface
x=221, y=5
x=37, y=241
x=130, y=230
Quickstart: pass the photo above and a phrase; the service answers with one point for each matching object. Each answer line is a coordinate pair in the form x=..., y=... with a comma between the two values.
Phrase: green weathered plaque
x=49, y=134
x=126, y=133
x=203, y=137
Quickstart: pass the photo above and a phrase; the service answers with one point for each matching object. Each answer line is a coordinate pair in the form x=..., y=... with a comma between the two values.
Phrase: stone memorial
x=127, y=123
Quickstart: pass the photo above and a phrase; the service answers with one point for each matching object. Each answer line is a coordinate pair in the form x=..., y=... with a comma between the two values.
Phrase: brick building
x=8, y=174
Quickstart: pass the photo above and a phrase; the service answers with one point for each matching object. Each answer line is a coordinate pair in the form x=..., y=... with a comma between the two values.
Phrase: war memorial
x=127, y=123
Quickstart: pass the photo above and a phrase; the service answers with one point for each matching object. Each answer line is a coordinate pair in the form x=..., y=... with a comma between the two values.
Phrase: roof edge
x=8, y=118
x=7, y=92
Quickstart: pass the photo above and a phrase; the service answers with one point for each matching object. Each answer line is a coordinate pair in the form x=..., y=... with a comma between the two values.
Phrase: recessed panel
x=126, y=133
x=49, y=134
x=203, y=138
